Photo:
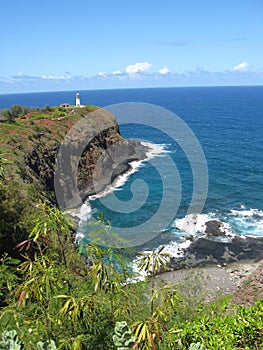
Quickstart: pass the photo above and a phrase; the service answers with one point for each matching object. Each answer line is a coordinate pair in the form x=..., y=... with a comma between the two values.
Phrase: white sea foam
x=193, y=223
x=176, y=249
x=243, y=222
x=155, y=150
x=247, y=222
x=119, y=182
x=79, y=236
x=83, y=213
x=247, y=212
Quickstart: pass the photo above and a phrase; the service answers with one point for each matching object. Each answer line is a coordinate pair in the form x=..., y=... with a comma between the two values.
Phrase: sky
x=57, y=45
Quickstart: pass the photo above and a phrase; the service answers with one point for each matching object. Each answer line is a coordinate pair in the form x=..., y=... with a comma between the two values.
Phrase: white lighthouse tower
x=78, y=100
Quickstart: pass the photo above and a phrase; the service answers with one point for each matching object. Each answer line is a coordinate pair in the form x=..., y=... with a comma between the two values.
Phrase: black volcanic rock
x=214, y=228
x=94, y=146
x=111, y=163
x=206, y=251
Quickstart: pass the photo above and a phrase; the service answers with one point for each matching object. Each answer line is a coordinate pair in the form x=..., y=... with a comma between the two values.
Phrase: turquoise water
x=227, y=121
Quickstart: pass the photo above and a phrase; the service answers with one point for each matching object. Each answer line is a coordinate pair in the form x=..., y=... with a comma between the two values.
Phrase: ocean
x=192, y=130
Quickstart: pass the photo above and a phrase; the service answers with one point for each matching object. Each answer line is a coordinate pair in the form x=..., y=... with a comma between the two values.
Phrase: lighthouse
x=77, y=100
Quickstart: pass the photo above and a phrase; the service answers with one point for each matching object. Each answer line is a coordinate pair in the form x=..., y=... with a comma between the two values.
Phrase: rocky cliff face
x=91, y=155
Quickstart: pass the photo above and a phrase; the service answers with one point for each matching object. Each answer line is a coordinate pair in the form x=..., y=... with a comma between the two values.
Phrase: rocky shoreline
x=218, y=248
x=226, y=265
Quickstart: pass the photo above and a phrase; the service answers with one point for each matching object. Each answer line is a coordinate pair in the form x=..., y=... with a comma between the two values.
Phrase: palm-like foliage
x=148, y=333
x=153, y=262
x=41, y=279
x=52, y=230
x=103, y=263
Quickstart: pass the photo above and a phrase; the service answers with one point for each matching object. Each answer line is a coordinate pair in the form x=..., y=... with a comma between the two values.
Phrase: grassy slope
x=17, y=139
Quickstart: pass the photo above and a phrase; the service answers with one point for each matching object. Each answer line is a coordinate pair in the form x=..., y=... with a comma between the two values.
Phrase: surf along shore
x=222, y=265
x=227, y=264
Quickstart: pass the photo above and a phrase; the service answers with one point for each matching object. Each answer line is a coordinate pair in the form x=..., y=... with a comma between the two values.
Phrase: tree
x=15, y=218
x=16, y=111
x=6, y=115
x=15, y=212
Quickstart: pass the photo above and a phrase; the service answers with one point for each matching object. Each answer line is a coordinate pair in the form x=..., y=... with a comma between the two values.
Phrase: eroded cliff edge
x=90, y=139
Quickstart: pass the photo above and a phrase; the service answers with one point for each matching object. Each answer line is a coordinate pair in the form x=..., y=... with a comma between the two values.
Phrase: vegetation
x=53, y=297
x=22, y=125
x=25, y=130
x=123, y=338
x=56, y=295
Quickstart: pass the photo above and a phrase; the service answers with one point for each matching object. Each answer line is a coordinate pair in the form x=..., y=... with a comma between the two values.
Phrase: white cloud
x=241, y=67
x=56, y=77
x=164, y=71
x=102, y=74
x=240, y=74
x=138, y=67
x=117, y=72
x=20, y=74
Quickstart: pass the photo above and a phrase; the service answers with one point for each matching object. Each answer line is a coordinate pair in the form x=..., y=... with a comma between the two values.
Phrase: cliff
x=91, y=142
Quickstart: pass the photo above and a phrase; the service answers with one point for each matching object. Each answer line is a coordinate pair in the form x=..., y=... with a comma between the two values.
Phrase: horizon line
x=132, y=88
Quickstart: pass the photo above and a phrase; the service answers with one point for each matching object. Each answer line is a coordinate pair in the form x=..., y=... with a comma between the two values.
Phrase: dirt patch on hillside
x=251, y=287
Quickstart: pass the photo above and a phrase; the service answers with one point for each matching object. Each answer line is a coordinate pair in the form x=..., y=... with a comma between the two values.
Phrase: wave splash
x=84, y=213
x=237, y=222
x=243, y=222
x=248, y=222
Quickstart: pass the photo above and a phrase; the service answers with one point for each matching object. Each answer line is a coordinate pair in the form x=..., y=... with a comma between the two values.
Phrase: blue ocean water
x=227, y=121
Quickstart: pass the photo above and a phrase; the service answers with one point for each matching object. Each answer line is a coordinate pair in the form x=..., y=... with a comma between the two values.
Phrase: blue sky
x=66, y=45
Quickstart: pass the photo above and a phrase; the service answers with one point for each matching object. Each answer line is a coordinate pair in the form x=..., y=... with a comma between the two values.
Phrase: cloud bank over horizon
x=139, y=74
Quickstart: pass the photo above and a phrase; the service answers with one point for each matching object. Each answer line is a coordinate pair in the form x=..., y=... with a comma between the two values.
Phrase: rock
x=108, y=165
x=204, y=251
x=189, y=238
x=214, y=228
x=105, y=156
x=39, y=165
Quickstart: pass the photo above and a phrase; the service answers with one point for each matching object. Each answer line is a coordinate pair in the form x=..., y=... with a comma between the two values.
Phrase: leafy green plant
x=196, y=346
x=122, y=338
x=193, y=292
x=10, y=341
x=152, y=263
x=47, y=345
x=243, y=330
x=8, y=278
x=148, y=333
x=3, y=163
